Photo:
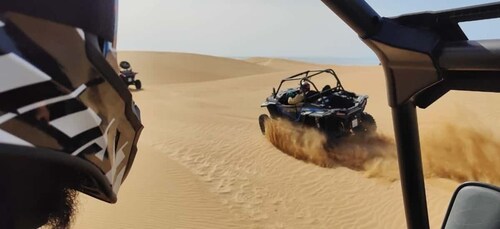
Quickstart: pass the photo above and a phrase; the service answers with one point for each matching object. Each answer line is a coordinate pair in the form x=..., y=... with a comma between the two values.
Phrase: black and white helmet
x=61, y=100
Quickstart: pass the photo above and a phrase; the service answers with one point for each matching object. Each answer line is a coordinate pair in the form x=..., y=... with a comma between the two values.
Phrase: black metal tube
x=481, y=55
x=471, y=13
x=357, y=14
x=410, y=165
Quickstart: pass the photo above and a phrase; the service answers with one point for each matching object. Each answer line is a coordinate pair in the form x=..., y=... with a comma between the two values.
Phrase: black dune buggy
x=128, y=76
x=333, y=110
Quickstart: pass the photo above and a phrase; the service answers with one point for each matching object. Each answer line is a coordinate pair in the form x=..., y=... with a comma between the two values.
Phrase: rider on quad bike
x=128, y=76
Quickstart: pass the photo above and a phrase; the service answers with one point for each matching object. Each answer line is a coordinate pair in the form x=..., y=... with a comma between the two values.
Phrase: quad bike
x=128, y=76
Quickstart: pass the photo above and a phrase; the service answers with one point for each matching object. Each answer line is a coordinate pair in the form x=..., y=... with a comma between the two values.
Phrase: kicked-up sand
x=203, y=162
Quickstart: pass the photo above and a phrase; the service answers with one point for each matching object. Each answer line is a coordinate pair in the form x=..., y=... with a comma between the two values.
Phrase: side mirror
x=474, y=205
x=274, y=92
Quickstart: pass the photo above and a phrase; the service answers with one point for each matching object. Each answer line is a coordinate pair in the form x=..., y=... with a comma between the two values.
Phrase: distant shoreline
x=361, y=61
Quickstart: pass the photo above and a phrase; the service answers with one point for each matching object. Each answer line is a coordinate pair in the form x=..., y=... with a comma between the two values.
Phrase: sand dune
x=203, y=163
x=284, y=64
x=158, y=67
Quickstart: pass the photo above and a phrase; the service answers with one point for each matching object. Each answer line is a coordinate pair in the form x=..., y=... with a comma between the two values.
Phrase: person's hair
x=64, y=210
x=36, y=194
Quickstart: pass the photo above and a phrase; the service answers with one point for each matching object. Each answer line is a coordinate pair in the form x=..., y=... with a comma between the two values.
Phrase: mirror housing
x=474, y=205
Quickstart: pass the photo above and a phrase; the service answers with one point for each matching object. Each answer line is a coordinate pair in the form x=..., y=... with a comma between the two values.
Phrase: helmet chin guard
x=62, y=101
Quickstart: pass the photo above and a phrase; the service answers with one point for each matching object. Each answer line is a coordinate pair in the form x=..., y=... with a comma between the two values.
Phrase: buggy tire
x=263, y=118
x=273, y=110
x=367, y=125
x=138, y=84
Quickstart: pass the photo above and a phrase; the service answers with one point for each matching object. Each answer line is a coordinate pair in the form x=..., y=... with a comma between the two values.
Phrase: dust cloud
x=456, y=153
x=462, y=154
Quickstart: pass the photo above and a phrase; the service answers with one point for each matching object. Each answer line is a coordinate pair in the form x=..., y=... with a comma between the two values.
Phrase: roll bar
x=307, y=75
x=357, y=14
x=430, y=56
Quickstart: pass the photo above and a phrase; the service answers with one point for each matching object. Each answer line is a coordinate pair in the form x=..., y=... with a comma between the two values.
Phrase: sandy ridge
x=202, y=162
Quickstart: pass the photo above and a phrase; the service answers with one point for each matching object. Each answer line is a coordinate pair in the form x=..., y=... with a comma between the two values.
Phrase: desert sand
x=203, y=162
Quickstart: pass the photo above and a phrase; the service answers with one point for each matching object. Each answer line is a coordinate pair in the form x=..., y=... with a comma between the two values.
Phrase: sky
x=270, y=28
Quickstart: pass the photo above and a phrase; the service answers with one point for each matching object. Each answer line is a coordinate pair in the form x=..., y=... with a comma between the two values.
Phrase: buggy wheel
x=273, y=110
x=334, y=128
x=138, y=84
x=263, y=118
x=367, y=125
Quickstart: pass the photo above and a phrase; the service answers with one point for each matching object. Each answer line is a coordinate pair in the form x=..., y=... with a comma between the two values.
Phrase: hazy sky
x=274, y=28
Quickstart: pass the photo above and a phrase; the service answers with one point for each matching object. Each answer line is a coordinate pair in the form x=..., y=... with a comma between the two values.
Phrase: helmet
x=304, y=86
x=62, y=103
x=125, y=65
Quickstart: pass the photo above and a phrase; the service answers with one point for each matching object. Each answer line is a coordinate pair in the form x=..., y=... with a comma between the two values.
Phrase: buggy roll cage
x=429, y=56
x=306, y=76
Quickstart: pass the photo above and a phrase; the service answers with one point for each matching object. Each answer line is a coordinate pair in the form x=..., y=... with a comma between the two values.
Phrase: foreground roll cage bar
x=424, y=55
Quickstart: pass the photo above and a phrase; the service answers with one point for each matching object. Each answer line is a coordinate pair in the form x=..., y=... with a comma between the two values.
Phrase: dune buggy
x=333, y=110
